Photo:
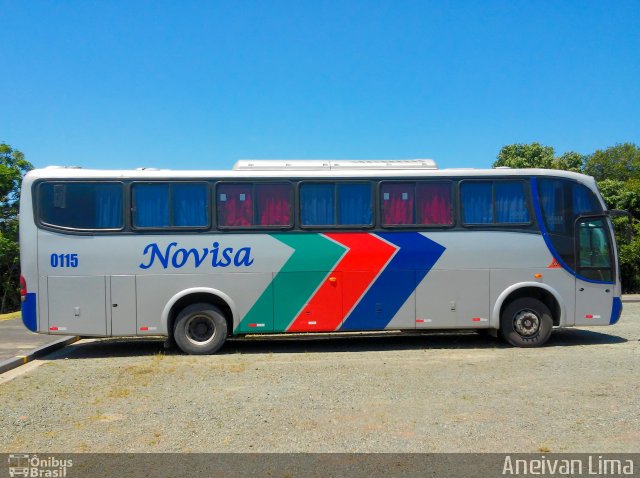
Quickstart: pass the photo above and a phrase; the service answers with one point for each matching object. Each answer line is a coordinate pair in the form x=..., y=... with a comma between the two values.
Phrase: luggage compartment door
x=77, y=305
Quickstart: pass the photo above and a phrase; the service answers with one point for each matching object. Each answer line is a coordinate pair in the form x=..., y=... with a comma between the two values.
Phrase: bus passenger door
x=77, y=305
x=595, y=269
x=123, y=305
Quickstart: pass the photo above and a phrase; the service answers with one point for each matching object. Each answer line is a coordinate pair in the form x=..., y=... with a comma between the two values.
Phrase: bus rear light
x=144, y=329
x=54, y=328
x=588, y=316
x=23, y=288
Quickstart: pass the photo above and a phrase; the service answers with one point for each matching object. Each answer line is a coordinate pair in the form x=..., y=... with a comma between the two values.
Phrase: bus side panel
x=244, y=289
x=594, y=303
x=453, y=299
x=405, y=317
x=32, y=316
x=43, y=305
x=77, y=305
x=555, y=279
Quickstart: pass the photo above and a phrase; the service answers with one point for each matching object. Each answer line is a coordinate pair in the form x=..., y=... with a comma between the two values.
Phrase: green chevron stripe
x=313, y=257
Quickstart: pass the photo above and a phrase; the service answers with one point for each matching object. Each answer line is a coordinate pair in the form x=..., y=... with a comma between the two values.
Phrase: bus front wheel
x=526, y=322
x=200, y=329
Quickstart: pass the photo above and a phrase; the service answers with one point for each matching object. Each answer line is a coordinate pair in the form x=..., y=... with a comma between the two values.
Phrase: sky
x=201, y=84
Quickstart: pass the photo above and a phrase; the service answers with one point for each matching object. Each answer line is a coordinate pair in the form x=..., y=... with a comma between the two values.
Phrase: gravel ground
x=389, y=393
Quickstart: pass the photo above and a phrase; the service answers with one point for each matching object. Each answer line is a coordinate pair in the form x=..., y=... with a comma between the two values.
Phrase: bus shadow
x=374, y=342
x=572, y=337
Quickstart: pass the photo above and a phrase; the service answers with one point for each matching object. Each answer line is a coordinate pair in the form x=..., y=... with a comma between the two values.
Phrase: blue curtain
x=151, y=203
x=583, y=200
x=552, y=201
x=108, y=206
x=354, y=204
x=189, y=204
x=511, y=206
x=317, y=204
x=477, y=207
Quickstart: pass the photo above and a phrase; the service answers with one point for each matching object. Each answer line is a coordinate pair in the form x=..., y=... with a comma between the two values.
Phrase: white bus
x=314, y=246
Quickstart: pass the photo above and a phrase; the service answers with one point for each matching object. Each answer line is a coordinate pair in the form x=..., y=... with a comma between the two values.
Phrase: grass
x=10, y=315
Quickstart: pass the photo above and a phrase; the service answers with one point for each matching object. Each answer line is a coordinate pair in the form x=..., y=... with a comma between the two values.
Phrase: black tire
x=526, y=322
x=200, y=329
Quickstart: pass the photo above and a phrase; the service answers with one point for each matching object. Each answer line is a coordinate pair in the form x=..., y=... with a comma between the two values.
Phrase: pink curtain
x=397, y=203
x=274, y=204
x=433, y=201
x=235, y=205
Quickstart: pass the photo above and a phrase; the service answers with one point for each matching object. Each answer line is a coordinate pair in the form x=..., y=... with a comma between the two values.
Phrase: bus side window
x=354, y=204
x=510, y=203
x=189, y=204
x=317, y=207
x=397, y=203
x=235, y=205
x=476, y=199
x=83, y=206
x=594, y=257
x=273, y=204
x=433, y=203
x=151, y=205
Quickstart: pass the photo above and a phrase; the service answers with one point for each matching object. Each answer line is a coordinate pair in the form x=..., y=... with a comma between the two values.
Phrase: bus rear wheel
x=526, y=322
x=200, y=329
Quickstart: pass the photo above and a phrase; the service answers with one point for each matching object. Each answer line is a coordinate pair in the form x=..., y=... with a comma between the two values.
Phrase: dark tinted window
x=81, y=205
x=561, y=202
x=170, y=205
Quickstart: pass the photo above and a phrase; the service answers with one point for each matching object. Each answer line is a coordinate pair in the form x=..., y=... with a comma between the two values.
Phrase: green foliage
x=12, y=167
x=629, y=258
x=617, y=170
x=569, y=161
x=532, y=155
x=620, y=162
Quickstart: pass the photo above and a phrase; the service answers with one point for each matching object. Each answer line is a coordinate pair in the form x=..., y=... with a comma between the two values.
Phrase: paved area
x=16, y=339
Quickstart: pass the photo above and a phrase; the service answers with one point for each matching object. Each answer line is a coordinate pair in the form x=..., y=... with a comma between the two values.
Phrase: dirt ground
x=386, y=393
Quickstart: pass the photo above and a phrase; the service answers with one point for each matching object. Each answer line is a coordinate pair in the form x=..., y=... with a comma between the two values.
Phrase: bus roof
x=304, y=169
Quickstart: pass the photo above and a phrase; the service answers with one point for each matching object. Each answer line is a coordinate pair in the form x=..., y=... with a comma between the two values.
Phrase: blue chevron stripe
x=414, y=259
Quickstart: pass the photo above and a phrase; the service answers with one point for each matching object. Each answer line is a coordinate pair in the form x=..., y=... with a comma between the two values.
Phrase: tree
x=12, y=167
x=532, y=155
x=569, y=161
x=620, y=162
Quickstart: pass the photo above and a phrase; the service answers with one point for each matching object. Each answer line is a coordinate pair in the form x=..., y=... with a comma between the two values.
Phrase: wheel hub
x=200, y=329
x=526, y=323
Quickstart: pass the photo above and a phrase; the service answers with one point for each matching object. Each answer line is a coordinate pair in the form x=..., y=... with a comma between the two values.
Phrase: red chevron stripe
x=343, y=287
